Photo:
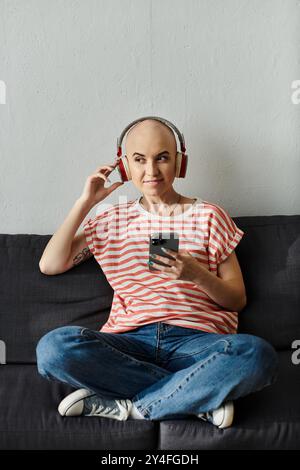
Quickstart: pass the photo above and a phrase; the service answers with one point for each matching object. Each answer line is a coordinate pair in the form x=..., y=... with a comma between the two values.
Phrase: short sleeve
x=95, y=231
x=90, y=234
x=224, y=235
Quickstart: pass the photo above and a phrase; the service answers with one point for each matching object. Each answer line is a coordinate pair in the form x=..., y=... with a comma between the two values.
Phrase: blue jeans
x=167, y=371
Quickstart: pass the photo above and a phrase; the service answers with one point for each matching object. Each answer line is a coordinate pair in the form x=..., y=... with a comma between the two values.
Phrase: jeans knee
x=267, y=358
x=259, y=354
x=264, y=358
x=51, y=348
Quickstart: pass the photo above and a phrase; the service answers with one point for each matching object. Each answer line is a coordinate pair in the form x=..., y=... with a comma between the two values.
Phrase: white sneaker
x=222, y=417
x=87, y=403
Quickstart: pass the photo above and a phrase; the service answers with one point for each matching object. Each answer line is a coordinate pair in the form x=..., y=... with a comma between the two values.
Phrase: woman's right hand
x=94, y=190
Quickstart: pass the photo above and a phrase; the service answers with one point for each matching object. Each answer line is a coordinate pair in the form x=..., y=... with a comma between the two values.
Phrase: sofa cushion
x=29, y=418
x=266, y=419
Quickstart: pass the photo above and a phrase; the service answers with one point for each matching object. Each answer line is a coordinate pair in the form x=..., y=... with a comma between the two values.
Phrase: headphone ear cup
x=124, y=170
x=178, y=164
x=183, y=168
x=181, y=164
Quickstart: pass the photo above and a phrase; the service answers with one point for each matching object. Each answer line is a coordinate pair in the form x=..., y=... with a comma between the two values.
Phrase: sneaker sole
x=67, y=403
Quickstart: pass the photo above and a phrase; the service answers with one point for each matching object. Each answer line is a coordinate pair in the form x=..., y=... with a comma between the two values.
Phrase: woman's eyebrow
x=141, y=155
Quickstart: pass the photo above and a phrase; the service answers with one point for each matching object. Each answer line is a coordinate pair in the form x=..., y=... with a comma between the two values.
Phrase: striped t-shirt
x=119, y=236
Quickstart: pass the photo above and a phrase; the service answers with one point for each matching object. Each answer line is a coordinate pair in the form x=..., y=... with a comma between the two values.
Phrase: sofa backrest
x=269, y=255
x=31, y=303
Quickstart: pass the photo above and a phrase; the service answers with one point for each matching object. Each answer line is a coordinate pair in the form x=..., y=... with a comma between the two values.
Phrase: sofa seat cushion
x=29, y=418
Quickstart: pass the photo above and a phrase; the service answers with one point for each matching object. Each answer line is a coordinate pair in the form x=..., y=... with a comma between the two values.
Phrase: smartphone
x=165, y=240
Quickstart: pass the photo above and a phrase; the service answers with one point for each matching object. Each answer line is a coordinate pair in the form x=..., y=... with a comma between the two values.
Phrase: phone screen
x=165, y=240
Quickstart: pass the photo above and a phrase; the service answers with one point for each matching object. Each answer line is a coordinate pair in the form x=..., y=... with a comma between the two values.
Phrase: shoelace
x=101, y=409
x=207, y=416
x=94, y=408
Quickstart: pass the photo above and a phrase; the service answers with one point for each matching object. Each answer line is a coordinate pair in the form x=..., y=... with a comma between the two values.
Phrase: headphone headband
x=156, y=118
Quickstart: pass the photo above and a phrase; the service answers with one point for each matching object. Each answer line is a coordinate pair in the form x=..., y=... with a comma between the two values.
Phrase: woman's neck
x=161, y=200
x=161, y=208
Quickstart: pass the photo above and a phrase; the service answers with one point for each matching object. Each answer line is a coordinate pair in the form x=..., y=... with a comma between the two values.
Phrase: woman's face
x=151, y=153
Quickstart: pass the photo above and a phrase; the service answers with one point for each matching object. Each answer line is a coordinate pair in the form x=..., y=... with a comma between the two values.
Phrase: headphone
x=181, y=158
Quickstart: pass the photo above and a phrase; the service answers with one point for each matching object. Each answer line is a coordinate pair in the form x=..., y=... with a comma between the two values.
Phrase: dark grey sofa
x=31, y=304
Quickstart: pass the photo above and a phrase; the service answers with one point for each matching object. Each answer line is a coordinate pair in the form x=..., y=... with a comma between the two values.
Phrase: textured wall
x=77, y=71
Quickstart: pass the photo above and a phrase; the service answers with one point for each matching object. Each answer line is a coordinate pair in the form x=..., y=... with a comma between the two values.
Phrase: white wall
x=78, y=71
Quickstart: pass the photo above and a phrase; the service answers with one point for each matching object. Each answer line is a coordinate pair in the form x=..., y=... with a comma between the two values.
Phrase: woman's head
x=151, y=153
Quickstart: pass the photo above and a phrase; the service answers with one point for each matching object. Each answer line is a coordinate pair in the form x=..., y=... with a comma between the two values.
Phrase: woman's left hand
x=183, y=266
